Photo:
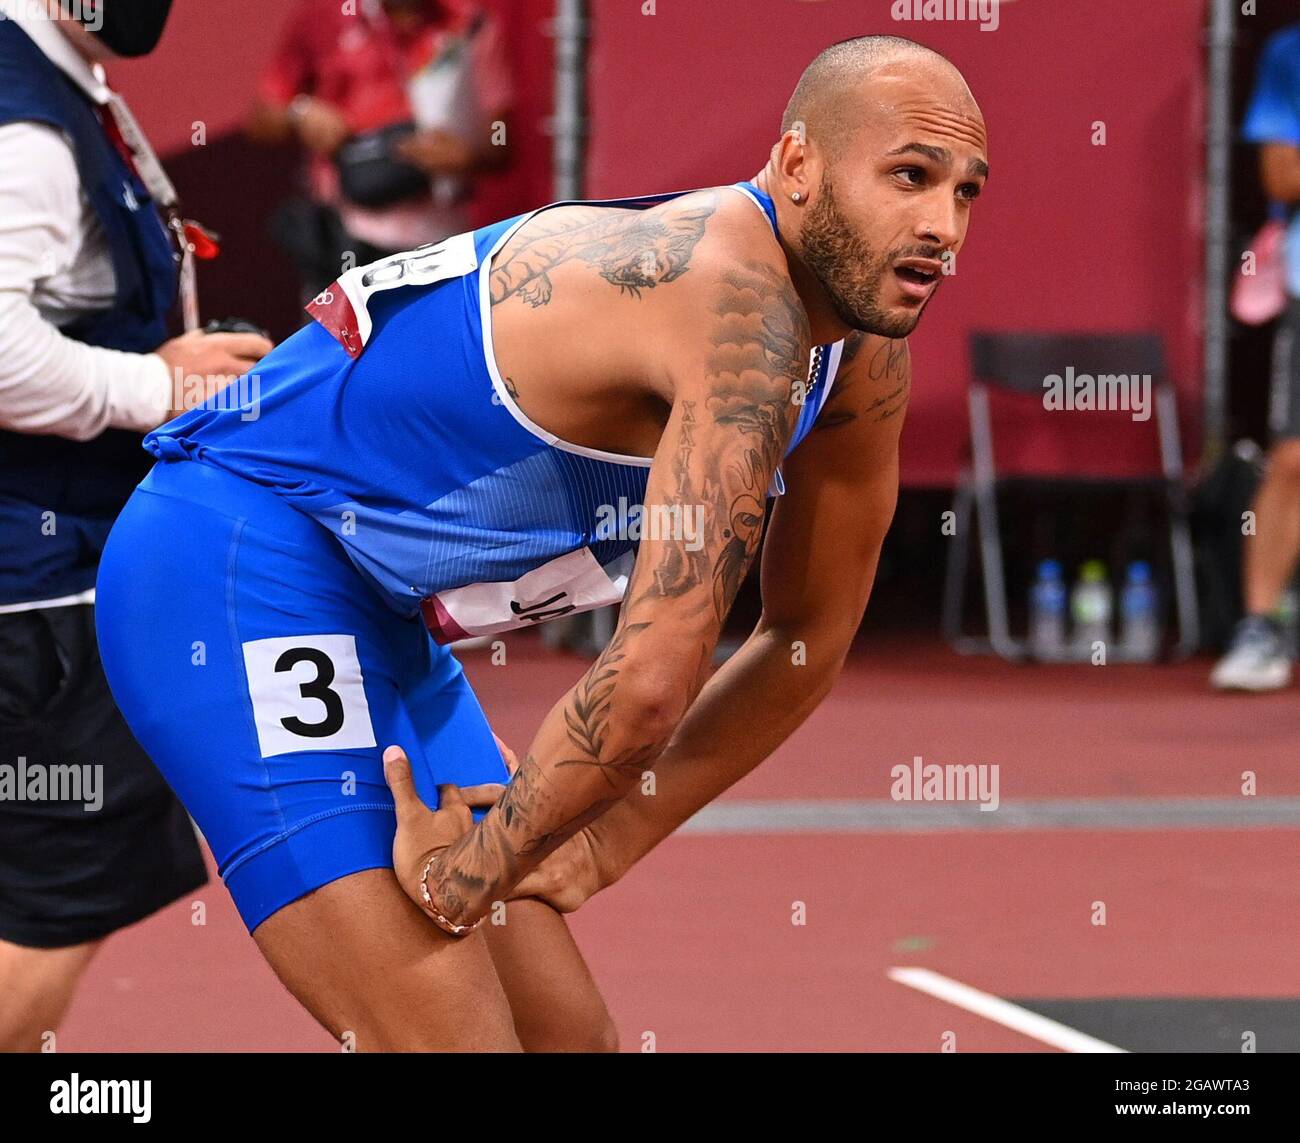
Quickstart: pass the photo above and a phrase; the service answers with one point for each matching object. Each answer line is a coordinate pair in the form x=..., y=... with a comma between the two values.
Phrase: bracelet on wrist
x=449, y=927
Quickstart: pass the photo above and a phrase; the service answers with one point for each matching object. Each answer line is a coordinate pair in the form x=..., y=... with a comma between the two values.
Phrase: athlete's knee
x=599, y=1035
x=36, y=988
x=393, y=1024
x=606, y=1039
x=590, y=1031
x=1284, y=462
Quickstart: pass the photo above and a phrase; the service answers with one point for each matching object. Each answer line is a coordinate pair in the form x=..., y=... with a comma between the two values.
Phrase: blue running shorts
x=265, y=678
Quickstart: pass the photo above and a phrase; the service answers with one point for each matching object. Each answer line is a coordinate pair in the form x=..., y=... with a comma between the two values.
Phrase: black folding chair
x=1019, y=363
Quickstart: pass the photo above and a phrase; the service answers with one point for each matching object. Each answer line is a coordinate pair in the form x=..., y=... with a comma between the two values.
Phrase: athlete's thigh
x=362, y=959
x=555, y=1001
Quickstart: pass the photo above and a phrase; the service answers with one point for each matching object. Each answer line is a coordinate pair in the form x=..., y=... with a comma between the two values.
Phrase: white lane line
x=1000, y=1011
x=876, y=817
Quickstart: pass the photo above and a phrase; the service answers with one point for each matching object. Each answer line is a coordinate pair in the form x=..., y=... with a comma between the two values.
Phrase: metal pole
x=570, y=32
x=569, y=124
x=1218, y=156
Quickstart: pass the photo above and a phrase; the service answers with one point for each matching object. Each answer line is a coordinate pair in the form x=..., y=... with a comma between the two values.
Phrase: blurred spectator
x=1258, y=658
x=400, y=105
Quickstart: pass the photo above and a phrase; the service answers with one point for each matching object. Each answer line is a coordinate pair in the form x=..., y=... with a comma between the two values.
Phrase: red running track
x=1190, y=913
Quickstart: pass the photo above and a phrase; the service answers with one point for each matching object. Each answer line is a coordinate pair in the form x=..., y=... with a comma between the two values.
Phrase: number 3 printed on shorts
x=307, y=694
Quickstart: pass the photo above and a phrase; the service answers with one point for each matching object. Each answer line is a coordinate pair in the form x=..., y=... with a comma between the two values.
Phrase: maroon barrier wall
x=1069, y=236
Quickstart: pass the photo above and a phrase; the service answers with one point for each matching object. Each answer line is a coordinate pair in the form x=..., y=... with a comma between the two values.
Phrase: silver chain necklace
x=816, y=369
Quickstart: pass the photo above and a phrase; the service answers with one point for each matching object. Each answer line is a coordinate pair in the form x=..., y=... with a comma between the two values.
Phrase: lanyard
x=163, y=192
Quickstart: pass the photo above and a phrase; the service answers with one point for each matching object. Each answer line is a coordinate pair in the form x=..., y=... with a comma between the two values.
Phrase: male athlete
x=436, y=454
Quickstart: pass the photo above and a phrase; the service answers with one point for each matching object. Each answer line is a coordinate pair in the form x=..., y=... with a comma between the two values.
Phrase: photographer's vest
x=59, y=497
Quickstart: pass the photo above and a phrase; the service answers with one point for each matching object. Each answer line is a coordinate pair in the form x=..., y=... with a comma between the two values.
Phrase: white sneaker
x=1256, y=659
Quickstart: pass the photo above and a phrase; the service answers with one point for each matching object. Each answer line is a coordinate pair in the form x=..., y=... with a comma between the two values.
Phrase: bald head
x=833, y=93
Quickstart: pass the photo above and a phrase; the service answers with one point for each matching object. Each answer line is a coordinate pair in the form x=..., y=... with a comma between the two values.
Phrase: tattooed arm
x=819, y=562
x=737, y=349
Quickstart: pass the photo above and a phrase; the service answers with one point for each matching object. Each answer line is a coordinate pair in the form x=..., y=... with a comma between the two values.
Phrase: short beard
x=848, y=269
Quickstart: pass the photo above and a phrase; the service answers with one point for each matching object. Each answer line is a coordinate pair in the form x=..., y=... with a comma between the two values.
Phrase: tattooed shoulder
x=761, y=326
x=632, y=250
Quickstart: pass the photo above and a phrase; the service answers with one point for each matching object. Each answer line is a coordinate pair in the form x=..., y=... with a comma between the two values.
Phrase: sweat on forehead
x=957, y=118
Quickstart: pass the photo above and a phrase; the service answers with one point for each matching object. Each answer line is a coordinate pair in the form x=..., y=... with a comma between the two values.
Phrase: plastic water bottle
x=1140, y=635
x=1091, y=604
x=1047, y=604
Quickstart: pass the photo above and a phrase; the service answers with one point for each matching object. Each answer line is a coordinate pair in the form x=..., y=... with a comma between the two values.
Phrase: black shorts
x=91, y=837
x=1284, y=393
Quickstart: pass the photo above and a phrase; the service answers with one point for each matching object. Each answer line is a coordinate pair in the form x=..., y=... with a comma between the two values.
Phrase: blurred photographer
x=400, y=104
x=92, y=253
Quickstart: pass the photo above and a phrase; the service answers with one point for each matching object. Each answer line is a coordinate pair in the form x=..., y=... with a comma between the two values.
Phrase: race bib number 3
x=307, y=694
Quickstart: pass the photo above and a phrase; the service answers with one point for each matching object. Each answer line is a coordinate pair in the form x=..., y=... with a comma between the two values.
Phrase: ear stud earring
x=797, y=197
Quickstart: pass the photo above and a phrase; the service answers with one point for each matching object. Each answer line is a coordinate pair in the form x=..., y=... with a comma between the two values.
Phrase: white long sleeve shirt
x=54, y=268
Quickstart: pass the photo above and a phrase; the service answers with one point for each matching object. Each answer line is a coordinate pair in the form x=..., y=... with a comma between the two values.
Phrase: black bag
x=370, y=176
x=315, y=239
x=313, y=236
x=1218, y=501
